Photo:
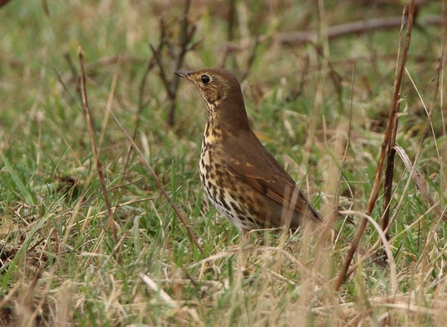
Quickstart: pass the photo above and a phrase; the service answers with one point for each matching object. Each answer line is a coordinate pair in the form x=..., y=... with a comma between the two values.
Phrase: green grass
x=59, y=261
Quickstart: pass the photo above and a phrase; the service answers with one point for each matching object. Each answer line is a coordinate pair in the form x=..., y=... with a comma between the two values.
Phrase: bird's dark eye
x=205, y=79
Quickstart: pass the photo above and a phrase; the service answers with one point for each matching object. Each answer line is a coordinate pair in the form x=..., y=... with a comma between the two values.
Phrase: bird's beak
x=183, y=74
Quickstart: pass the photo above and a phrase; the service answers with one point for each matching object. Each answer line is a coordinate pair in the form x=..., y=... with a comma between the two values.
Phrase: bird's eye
x=205, y=79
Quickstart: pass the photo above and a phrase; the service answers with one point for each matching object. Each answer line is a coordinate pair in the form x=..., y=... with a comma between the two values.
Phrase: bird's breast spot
x=212, y=138
x=206, y=160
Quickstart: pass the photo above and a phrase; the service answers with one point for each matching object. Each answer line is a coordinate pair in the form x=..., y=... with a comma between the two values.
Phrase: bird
x=241, y=178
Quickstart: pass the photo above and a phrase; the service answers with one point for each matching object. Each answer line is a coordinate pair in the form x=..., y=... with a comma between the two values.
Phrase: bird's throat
x=213, y=134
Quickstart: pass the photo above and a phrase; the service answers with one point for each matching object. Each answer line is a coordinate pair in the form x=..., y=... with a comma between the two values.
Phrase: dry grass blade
x=392, y=121
x=10, y=294
x=168, y=300
x=163, y=295
x=386, y=245
x=418, y=178
x=111, y=220
x=159, y=184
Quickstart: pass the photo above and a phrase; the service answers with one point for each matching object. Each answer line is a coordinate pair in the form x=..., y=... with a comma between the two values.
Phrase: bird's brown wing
x=254, y=165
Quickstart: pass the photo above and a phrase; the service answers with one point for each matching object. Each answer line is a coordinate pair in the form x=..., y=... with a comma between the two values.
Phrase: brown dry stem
x=389, y=139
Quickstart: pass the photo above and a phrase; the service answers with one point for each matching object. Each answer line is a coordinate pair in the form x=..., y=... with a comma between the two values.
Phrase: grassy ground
x=321, y=109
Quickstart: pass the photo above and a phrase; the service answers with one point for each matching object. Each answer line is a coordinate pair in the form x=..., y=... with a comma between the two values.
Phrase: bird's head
x=222, y=93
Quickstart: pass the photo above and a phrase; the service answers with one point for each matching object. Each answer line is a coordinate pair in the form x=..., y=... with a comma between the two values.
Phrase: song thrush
x=242, y=180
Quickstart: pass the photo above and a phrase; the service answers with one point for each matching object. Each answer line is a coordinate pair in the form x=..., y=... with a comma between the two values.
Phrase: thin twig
x=111, y=220
x=251, y=58
x=185, y=38
x=231, y=21
x=72, y=66
x=159, y=184
x=45, y=8
x=186, y=35
x=141, y=105
x=163, y=76
x=150, y=65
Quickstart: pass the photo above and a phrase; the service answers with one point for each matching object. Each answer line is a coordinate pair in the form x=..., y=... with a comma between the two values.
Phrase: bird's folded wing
x=275, y=189
x=261, y=171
